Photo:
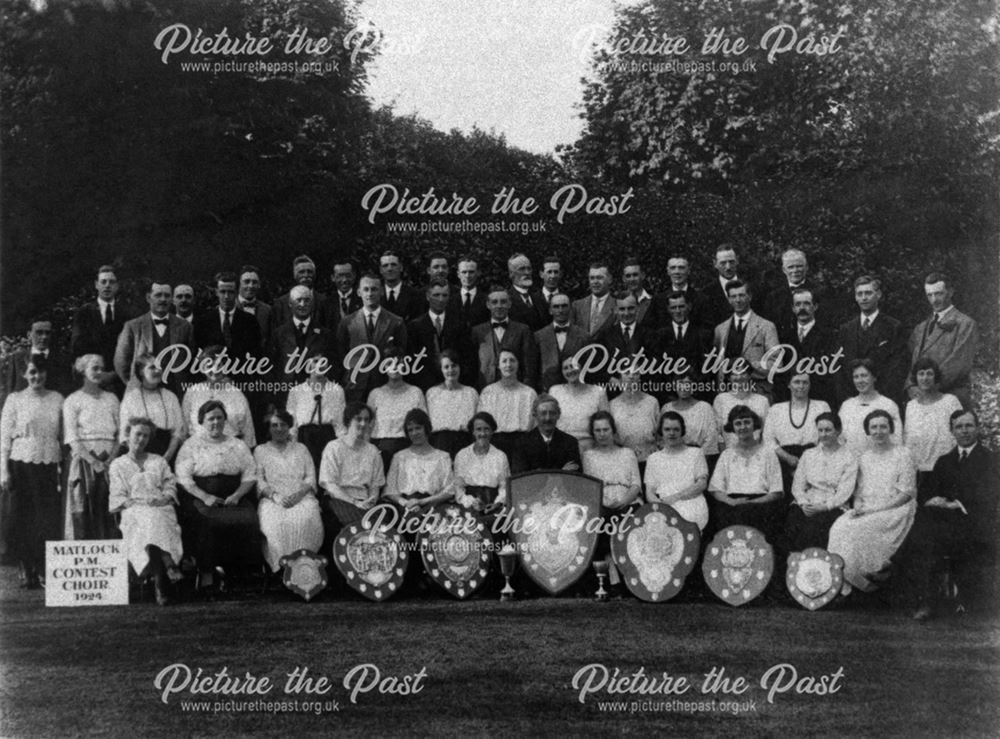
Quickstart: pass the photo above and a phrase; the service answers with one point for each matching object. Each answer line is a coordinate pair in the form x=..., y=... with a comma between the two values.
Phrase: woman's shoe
x=174, y=574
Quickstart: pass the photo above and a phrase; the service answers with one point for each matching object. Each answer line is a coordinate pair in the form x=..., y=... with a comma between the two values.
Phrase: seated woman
x=868, y=534
x=578, y=402
x=510, y=402
x=482, y=470
x=824, y=481
x=927, y=432
x=350, y=473
x=636, y=414
x=286, y=485
x=390, y=403
x=317, y=409
x=218, y=387
x=29, y=471
x=790, y=427
x=746, y=485
x=853, y=411
x=678, y=474
x=420, y=476
x=90, y=425
x=740, y=392
x=217, y=473
x=451, y=406
x=703, y=428
x=151, y=400
x=144, y=492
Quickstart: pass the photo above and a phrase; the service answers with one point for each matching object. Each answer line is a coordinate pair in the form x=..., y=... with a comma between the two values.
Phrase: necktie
x=594, y=314
x=390, y=303
x=678, y=331
x=438, y=325
x=468, y=300
x=345, y=306
x=802, y=334
x=109, y=316
x=302, y=329
x=527, y=299
x=227, y=329
x=318, y=410
x=866, y=323
x=963, y=455
x=628, y=333
x=934, y=321
x=370, y=327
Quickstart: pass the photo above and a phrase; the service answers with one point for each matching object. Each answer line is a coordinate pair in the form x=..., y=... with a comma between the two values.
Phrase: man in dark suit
x=248, y=302
x=438, y=329
x=399, y=298
x=956, y=518
x=597, y=310
x=657, y=316
x=527, y=306
x=747, y=336
x=876, y=336
x=625, y=338
x=777, y=303
x=715, y=307
x=545, y=447
x=15, y=363
x=551, y=275
x=682, y=338
x=226, y=326
x=557, y=341
x=498, y=334
x=815, y=345
x=437, y=266
x=300, y=340
x=949, y=337
x=344, y=301
x=304, y=273
x=152, y=333
x=96, y=326
x=184, y=302
x=364, y=337
x=469, y=301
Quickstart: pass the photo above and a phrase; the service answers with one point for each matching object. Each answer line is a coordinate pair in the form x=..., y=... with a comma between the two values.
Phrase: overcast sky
x=513, y=66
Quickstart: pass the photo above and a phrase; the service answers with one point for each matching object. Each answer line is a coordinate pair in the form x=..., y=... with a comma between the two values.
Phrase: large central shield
x=555, y=517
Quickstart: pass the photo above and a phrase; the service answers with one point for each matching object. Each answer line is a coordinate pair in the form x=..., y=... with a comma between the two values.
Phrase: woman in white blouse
x=636, y=414
x=451, y=406
x=217, y=386
x=420, y=476
x=740, y=392
x=678, y=474
x=317, y=409
x=286, y=485
x=144, y=492
x=703, y=427
x=482, y=470
x=217, y=473
x=390, y=403
x=927, y=432
x=790, y=427
x=90, y=424
x=854, y=410
x=578, y=402
x=510, y=402
x=29, y=471
x=149, y=399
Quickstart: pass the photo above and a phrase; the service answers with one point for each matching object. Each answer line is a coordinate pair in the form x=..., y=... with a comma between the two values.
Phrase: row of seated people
x=217, y=473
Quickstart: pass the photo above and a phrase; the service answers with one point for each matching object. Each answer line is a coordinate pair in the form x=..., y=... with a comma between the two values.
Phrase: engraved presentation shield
x=655, y=552
x=738, y=564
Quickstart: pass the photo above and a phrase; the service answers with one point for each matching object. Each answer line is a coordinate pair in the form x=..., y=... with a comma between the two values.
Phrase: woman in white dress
x=219, y=387
x=790, y=427
x=703, y=428
x=740, y=392
x=927, y=432
x=578, y=402
x=150, y=399
x=636, y=414
x=853, y=411
x=451, y=406
x=884, y=505
x=482, y=470
x=420, y=476
x=678, y=474
x=286, y=485
x=90, y=424
x=510, y=402
x=391, y=403
x=144, y=492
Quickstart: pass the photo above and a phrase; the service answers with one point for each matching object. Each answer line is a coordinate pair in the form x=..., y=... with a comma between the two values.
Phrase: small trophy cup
x=508, y=563
x=601, y=569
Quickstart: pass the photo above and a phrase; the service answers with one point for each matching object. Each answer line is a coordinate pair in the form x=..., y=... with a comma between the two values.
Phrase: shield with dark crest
x=655, y=551
x=457, y=549
x=815, y=576
x=738, y=564
x=304, y=573
x=554, y=520
x=373, y=560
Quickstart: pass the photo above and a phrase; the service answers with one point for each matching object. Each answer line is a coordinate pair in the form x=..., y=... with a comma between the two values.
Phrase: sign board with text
x=86, y=573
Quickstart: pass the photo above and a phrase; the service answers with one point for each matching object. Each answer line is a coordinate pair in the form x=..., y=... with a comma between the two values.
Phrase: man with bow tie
x=557, y=341
x=500, y=333
x=438, y=329
x=96, y=325
x=152, y=333
x=949, y=337
x=249, y=302
x=299, y=339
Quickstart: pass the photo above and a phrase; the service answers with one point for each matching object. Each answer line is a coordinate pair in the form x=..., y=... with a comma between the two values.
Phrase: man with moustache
x=597, y=310
x=152, y=333
x=373, y=326
x=399, y=298
x=501, y=333
x=777, y=304
x=526, y=305
x=303, y=338
x=96, y=326
x=811, y=339
x=551, y=275
x=745, y=335
x=344, y=300
x=248, y=302
x=436, y=330
x=184, y=302
x=469, y=301
x=557, y=341
x=715, y=307
x=545, y=447
x=634, y=279
x=304, y=273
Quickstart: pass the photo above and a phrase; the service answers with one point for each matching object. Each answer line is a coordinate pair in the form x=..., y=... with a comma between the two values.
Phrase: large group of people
x=299, y=416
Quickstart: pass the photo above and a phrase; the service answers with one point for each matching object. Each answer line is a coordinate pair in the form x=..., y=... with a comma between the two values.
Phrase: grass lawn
x=496, y=668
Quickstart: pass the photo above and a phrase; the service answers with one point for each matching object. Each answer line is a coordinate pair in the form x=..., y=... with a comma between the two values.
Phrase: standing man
x=499, y=333
x=402, y=300
x=469, y=301
x=658, y=314
x=526, y=305
x=184, y=302
x=875, y=336
x=303, y=338
x=248, y=302
x=151, y=333
x=551, y=275
x=715, y=307
x=304, y=273
x=624, y=335
x=634, y=279
x=557, y=341
x=745, y=335
x=96, y=326
x=226, y=326
x=374, y=328
x=437, y=266
x=344, y=300
x=597, y=310
x=436, y=330
x=777, y=305
x=949, y=337
x=16, y=363
x=811, y=339
x=683, y=338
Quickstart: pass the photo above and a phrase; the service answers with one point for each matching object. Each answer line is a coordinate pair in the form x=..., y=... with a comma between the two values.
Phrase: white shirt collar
x=807, y=327
x=373, y=313
x=941, y=314
x=871, y=318
x=104, y=304
x=968, y=449
x=644, y=295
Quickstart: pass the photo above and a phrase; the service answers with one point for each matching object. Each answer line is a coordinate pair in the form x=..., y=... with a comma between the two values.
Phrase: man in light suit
x=557, y=341
x=597, y=310
x=634, y=279
x=303, y=337
x=949, y=337
x=374, y=328
x=876, y=336
x=438, y=329
x=745, y=335
x=151, y=333
x=248, y=302
x=500, y=333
